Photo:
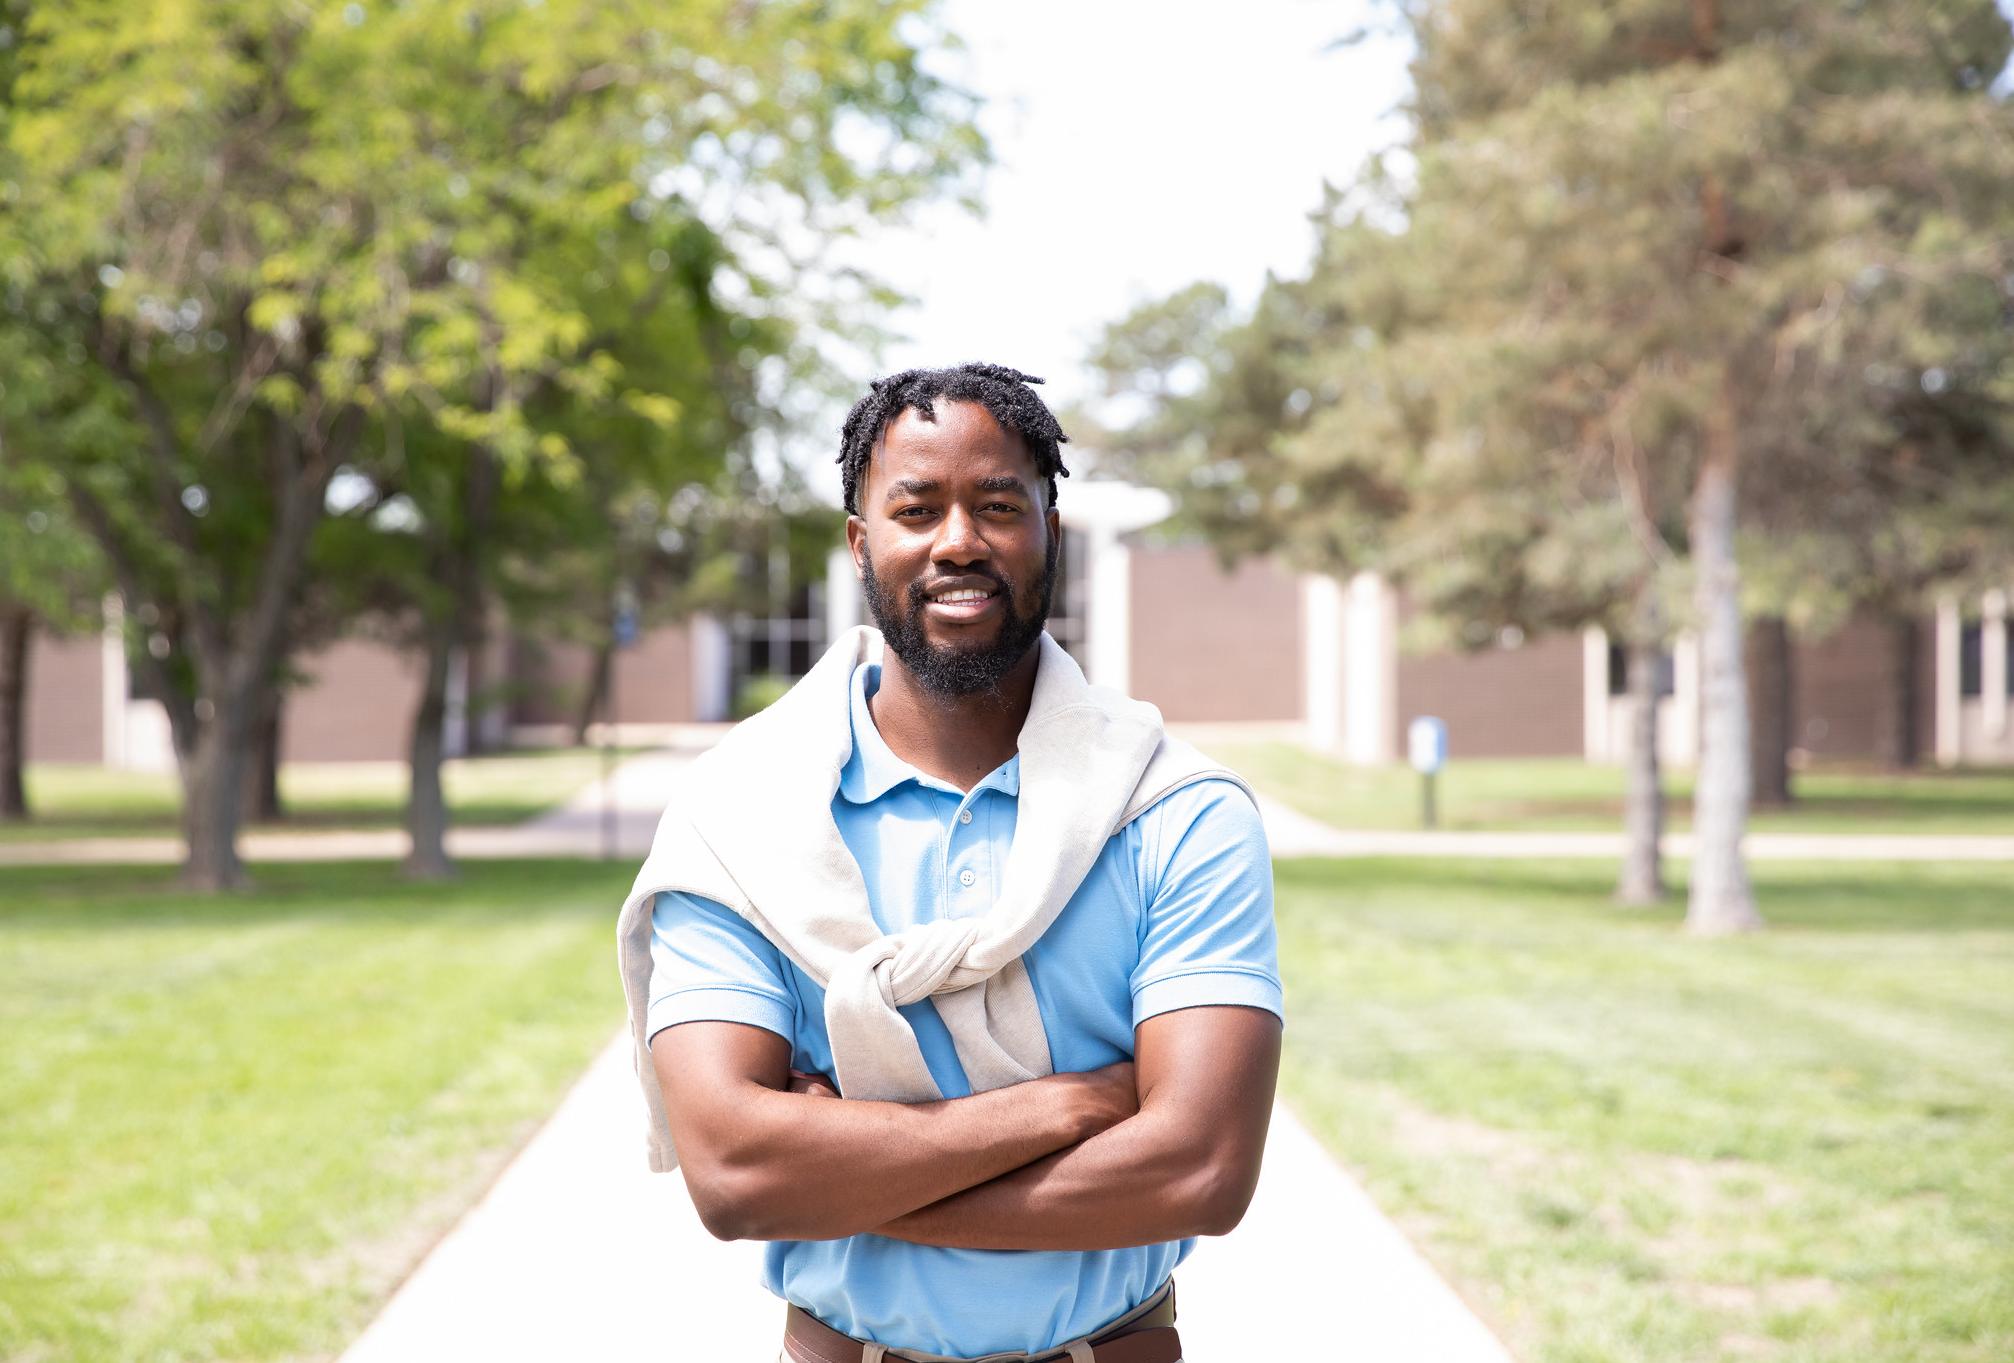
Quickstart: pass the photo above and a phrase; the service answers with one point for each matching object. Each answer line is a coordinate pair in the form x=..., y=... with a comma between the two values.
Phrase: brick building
x=1164, y=622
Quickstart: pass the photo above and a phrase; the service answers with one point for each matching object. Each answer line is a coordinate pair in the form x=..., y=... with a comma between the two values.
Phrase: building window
x=1618, y=671
x=785, y=641
x=1069, y=602
x=1972, y=659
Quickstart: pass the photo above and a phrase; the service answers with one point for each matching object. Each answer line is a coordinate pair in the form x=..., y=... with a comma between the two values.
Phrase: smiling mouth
x=963, y=605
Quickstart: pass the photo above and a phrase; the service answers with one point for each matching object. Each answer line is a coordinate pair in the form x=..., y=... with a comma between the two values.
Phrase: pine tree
x=1660, y=271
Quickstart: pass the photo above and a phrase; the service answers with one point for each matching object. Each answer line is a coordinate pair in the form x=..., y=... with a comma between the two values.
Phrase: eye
x=1004, y=506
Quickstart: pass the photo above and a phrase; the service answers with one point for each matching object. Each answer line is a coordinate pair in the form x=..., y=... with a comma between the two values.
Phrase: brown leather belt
x=1146, y=1338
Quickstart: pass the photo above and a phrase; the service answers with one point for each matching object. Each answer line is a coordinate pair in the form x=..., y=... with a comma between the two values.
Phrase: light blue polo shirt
x=1177, y=912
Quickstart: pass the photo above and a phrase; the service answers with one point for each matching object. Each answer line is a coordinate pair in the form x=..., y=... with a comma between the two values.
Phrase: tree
x=49, y=579
x=1654, y=281
x=1714, y=222
x=280, y=235
x=1306, y=429
x=1662, y=274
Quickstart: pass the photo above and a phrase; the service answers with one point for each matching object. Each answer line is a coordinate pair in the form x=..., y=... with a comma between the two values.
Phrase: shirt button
x=964, y=816
x=966, y=877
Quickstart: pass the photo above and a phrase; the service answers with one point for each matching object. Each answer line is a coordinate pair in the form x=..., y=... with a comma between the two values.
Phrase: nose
x=958, y=538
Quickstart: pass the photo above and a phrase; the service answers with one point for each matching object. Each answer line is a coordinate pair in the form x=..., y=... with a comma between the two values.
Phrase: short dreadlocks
x=1003, y=392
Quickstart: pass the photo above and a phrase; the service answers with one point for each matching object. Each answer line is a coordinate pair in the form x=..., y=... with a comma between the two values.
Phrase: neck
x=958, y=739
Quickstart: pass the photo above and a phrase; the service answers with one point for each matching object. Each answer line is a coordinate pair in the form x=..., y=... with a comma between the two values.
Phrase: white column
x=1948, y=734
x=710, y=668
x=1678, y=724
x=1371, y=665
x=1993, y=664
x=1594, y=713
x=843, y=605
x=1322, y=623
x=1108, y=630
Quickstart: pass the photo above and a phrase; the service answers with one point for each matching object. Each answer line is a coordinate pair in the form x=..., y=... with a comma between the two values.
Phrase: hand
x=816, y=1085
x=1107, y=1096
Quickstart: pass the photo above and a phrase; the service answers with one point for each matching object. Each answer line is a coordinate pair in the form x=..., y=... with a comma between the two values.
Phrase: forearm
x=1144, y=1181
x=799, y=1167
x=1185, y=1164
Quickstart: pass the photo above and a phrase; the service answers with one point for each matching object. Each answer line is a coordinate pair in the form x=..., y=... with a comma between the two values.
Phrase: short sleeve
x=707, y=964
x=1209, y=936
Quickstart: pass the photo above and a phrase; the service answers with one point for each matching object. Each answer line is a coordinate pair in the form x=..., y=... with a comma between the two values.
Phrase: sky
x=1139, y=147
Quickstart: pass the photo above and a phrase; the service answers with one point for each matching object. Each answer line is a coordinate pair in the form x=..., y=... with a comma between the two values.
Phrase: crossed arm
x=1162, y=1148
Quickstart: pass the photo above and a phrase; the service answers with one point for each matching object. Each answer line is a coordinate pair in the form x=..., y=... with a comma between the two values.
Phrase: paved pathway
x=578, y=829
x=578, y=1253
x=1293, y=834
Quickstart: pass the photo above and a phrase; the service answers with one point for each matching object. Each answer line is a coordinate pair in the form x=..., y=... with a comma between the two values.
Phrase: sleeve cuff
x=1205, y=987
x=716, y=1004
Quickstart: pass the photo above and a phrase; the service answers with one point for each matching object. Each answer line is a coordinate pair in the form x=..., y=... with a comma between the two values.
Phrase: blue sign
x=1427, y=744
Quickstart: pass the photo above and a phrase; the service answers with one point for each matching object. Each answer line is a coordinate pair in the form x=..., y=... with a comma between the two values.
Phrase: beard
x=952, y=670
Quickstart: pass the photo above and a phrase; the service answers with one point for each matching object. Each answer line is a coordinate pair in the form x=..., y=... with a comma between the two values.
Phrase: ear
x=856, y=536
x=1055, y=520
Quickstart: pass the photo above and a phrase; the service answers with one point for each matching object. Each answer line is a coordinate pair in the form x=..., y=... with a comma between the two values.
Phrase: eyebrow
x=918, y=487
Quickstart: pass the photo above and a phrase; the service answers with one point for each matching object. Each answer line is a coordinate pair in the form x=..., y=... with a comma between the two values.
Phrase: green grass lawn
x=1568, y=795
x=1625, y=1145
x=86, y=802
x=231, y=1124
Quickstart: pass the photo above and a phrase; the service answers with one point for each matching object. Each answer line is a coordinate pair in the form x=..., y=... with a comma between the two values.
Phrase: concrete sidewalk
x=578, y=1253
x=1291, y=833
x=578, y=829
x=628, y=807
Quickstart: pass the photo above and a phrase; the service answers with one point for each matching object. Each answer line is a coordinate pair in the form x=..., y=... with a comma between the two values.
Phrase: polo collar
x=873, y=769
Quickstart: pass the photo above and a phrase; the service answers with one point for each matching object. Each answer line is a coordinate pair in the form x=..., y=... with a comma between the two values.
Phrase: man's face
x=952, y=509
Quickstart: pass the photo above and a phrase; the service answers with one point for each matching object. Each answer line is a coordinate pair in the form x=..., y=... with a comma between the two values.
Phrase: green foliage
x=1616, y=224
x=48, y=565
x=759, y=693
x=512, y=274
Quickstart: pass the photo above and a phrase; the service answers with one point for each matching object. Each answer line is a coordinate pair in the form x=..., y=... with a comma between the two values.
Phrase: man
x=956, y=975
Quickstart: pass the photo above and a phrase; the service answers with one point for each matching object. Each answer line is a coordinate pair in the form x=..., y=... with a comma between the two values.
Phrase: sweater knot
x=911, y=965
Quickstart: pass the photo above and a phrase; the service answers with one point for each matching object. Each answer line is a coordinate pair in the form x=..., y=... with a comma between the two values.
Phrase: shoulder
x=682, y=921
x=1210, y=825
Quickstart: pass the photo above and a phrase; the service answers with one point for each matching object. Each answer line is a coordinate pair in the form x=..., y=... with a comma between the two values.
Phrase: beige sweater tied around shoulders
x=751, y=827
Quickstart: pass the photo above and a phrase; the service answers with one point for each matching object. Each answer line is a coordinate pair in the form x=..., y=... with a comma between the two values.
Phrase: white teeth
x=963, y=596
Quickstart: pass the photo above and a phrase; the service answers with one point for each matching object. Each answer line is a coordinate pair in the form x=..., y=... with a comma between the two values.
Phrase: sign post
x=1427, y=751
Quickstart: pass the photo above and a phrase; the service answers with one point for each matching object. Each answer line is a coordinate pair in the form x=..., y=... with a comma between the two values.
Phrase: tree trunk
x=1642, y=881
x=476, y=698
x=262, y=769
x=1895, y=736
x=16, y=637
x=459, y=569
x=426, y=802
x=213, y=777
x=1768, y=661
x=597, y=687
x=1721, y=899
